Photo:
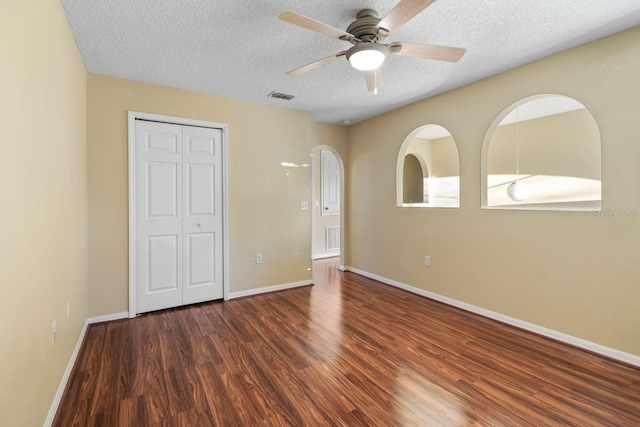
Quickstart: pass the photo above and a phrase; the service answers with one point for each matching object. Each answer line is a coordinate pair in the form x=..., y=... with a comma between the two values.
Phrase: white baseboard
x=65, y=377
x=108, y=317
x=325, y=255
x=257, y=291
x=72, y=361
x=612, y=353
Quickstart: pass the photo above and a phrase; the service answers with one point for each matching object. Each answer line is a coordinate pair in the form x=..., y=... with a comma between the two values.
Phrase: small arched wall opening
x=436, y=151
x=551, y=143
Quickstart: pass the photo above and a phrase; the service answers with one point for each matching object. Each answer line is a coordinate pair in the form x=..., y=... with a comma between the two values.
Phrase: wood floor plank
x=348, y=351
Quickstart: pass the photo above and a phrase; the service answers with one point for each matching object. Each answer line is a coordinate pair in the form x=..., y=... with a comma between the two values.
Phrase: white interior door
x=178, y=215
x=202, y=223
x=330, y=184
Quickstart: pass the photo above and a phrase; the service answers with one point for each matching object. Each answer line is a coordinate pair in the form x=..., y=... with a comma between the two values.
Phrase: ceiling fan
x=366, y=34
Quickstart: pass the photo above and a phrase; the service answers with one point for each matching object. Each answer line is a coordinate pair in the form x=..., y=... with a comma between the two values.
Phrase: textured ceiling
x=240, y=49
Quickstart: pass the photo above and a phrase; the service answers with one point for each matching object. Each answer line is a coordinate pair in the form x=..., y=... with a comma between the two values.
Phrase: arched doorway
x=327, y=204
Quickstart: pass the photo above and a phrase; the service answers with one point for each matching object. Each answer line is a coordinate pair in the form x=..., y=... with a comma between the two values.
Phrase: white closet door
x=202, y=207
x=178, y=215
x=158, y=216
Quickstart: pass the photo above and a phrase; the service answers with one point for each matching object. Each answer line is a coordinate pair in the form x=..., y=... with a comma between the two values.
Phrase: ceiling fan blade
x=400, y=15
x=311, y=24
x=427, y=51
x=316, y=64
x=374, y=79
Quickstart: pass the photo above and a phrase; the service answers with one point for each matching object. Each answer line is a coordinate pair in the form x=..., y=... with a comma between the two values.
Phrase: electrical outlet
x=258, y=258
x=427, y=260
x=304, y=206
x=68, y=309
x=54, y=330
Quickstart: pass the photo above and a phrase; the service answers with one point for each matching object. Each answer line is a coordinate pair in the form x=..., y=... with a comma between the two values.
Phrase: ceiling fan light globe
x=366, y=60
x=518, y=191
x=367, y=56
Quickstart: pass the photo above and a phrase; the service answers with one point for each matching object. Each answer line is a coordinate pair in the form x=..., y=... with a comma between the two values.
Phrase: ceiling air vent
x=279, y=95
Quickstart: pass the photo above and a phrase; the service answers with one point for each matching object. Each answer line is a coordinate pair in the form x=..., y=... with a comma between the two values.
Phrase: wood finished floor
x=348, y=351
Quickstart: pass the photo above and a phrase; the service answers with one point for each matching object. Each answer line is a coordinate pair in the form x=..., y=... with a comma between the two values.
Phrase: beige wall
x=264, y=197
x=445, y=157
x=566, y=144
x=43, y=225
x=336, y=137
x=569, y=271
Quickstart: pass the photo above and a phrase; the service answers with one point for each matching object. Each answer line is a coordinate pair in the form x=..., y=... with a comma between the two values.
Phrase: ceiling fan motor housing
x=363, y=27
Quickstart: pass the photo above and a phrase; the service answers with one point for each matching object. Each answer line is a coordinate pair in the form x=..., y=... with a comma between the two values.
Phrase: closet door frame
x=132, y=116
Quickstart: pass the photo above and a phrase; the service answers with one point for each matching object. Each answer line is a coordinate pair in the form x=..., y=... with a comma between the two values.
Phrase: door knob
x=199, y=224
x=326, y=208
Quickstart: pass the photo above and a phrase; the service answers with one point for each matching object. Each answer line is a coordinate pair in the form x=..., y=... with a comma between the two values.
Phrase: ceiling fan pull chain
x=375, y=80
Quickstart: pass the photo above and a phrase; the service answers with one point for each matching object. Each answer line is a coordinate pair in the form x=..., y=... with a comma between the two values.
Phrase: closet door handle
x=199, y=224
